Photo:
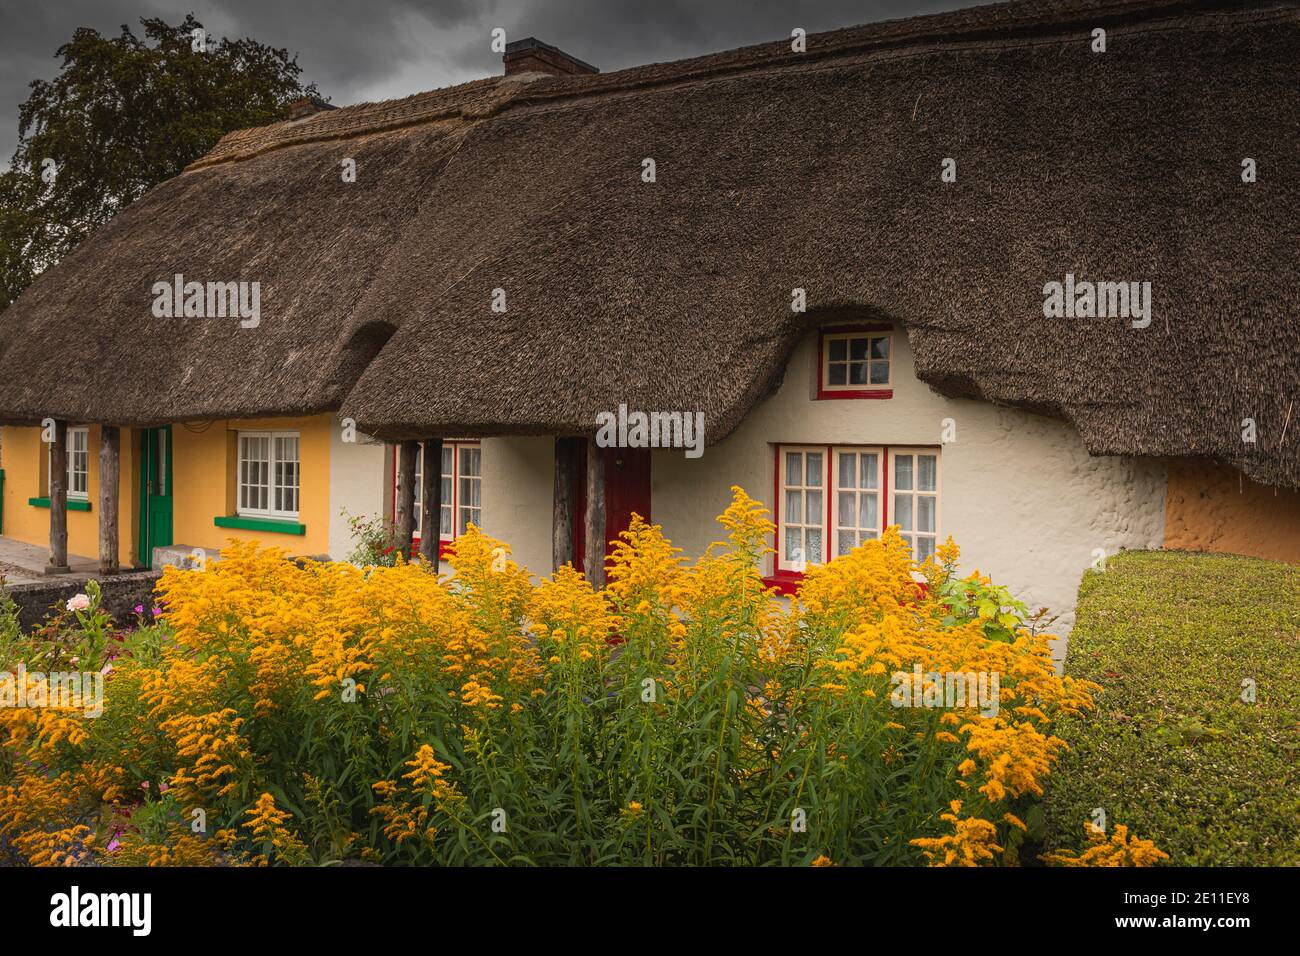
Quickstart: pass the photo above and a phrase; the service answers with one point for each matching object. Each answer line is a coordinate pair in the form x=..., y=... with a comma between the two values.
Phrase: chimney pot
x=531, y=55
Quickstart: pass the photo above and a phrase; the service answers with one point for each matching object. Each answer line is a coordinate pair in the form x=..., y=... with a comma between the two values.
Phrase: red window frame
x=444, y=541
x=823, y=392
x=787, y=581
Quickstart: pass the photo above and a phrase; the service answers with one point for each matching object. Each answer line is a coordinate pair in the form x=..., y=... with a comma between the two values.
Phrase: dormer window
x=855, y=362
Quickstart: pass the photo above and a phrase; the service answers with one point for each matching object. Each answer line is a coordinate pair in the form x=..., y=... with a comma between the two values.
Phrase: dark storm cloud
x=371, y=49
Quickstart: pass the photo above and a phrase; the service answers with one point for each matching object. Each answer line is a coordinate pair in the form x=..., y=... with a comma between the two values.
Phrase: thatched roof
x=775, y=169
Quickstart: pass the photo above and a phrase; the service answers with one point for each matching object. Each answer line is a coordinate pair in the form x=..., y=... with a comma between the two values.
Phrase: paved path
x=22, y=563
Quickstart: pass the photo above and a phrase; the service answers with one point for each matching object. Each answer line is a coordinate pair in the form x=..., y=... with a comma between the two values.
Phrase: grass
x=1173, y=751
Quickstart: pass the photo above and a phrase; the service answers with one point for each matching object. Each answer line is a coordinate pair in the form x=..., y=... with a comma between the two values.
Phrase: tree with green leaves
x=123, y=114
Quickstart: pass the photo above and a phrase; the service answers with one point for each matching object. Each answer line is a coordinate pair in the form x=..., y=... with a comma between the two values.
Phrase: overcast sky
x=357, y=50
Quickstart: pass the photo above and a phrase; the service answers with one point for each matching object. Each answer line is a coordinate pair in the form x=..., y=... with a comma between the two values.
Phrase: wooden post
x=406, y=495
x=562, y=509
x=59, y=500
x=110, y=443
x=431, y=500
x=595, y=530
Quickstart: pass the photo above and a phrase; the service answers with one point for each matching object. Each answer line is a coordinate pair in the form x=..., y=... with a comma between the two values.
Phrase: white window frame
x=270, y=511
x=839, y=487
x=785, y=524
x=848, y=361
x=452, y=489
x=887, y=495
x=913, y=536
x=70, y=475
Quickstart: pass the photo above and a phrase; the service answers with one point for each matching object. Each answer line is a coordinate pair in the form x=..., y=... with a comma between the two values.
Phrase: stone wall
x=122, y=593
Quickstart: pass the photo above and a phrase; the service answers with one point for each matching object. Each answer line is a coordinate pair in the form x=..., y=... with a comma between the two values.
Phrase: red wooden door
x=627, y=490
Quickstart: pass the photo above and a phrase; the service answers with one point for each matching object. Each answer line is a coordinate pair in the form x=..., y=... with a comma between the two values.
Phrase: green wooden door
x=155, y=491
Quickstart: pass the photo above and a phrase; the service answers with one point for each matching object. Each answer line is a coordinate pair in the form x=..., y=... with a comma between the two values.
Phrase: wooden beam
x=595, y=527
x=431, y=500
x=110, y=470
x=406, y=495
x=562, y=508
x=59, y=500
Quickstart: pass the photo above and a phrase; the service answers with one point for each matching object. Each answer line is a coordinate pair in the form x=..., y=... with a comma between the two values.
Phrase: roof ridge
x=347, y=122
x=925, y=29
x=1011, y=22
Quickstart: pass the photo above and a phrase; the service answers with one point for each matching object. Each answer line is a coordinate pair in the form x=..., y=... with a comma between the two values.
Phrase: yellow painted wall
x=25, y=460
x=1213, y=508
x=204, y=459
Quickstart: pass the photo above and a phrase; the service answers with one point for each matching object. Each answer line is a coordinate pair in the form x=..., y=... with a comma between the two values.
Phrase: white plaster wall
x=356, y=483
x=518, y=497
x=1018, y=492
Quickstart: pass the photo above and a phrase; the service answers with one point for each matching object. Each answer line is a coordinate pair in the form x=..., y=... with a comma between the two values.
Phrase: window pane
x=924, y=548
x=470, y=460
x=858, y=349
x=845, y=541
x=446, y=461
x=880, y=348
x=162, y=461
x=903, y=511
x=793, y=505
x=839, y=350
x=419, y=482
x=444, y=526
x=846, y=474
x=879, y=373
x=926, y=472
x=903, y=472
x=793, y=543
x=793, y=468
x=285, y=485
x=255, y=471
x=815, y=551
x=815, y=511
x=869, y=512
x=839, y=374
x=870, y=469
x=846, y=509
x=814, y=469
x=858, y=373
x=925, y=513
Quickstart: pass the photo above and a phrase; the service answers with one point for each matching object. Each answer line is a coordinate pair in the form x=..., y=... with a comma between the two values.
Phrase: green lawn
x=1172, y=750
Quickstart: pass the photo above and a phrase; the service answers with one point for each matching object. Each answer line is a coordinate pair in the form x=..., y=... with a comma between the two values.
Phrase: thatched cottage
x=1022, y=274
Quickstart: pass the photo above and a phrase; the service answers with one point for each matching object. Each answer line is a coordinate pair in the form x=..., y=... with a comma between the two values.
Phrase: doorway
x=155, y=491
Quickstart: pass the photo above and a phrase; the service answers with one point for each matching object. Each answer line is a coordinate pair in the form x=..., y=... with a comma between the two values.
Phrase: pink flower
x=162, y=788
x=144, y=784
x=78, y=602
x=157, y=612
x=114, y=844
x=139, y=609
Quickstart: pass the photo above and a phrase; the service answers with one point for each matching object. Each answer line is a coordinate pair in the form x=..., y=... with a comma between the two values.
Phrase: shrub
x=1174, y=750
x=681, y=716
x=374, y=543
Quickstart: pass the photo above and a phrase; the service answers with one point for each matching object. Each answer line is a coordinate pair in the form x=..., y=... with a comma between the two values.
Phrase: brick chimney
x=531, y=55
x=301, y=109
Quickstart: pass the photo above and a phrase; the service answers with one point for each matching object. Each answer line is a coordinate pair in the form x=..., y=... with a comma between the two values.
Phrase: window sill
x=786, y=582
x=74, y=504
x=831, y=394
x=444, y=547
x=272, y=525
